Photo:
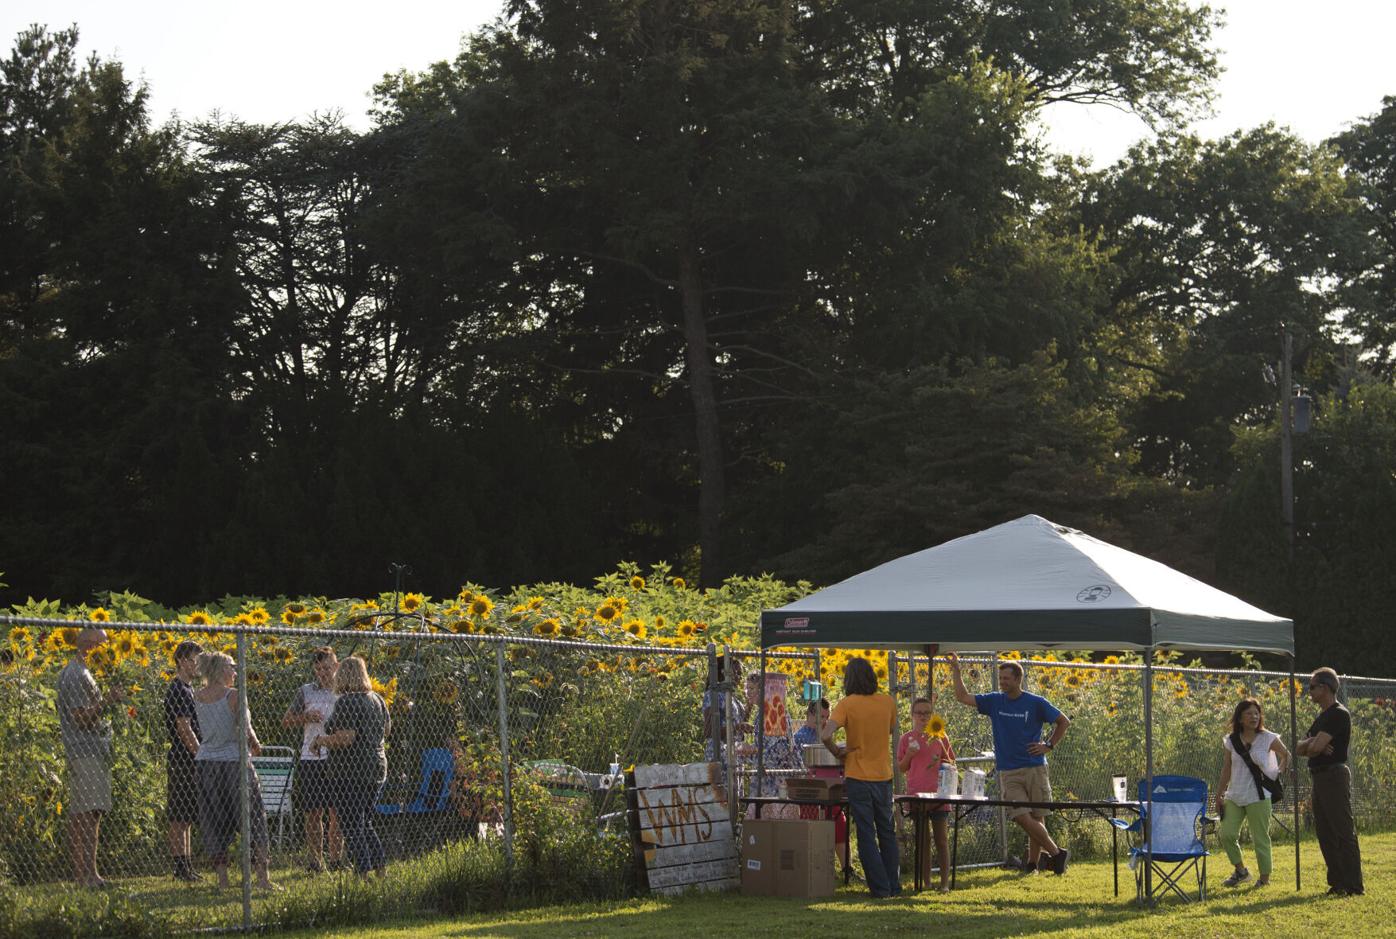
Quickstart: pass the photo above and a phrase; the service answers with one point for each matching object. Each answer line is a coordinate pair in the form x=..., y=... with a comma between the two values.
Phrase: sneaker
x=1059, y=861
x=1237, y=877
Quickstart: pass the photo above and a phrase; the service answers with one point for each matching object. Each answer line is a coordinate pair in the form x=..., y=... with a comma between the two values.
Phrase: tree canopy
x=745, y=285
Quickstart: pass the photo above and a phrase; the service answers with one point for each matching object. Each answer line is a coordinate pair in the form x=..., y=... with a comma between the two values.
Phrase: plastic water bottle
x=949, y=780
x=615, y=764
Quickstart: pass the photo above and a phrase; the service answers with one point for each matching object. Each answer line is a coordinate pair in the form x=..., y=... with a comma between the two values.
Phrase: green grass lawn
x=987, y=903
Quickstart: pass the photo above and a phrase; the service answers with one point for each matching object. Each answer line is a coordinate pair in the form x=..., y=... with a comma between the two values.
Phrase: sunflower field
x=611, y=672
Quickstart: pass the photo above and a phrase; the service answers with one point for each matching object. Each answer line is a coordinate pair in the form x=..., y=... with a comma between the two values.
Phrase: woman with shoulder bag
x=1252, y=760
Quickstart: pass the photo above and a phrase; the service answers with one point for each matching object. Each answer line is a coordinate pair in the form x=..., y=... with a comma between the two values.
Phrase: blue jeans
x=871, y=805
x=354, y=802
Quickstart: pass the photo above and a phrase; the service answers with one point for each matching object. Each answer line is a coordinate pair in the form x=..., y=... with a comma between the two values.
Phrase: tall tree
x=1220, y=246
x=116, y=319
x=1369, y=151
x=689, y=180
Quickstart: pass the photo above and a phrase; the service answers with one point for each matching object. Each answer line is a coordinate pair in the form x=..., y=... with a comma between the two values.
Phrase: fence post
x=502, y=697
x=760, y=724
x=712, y=730
x=244, y=796
x=729, y=744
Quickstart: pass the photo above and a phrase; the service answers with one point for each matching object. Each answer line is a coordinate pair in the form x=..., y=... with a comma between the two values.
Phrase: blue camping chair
x=1174, y=845
x=434, y=789
x=420, y=823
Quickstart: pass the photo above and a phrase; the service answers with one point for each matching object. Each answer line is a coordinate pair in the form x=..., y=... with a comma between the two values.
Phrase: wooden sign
x=681, y=828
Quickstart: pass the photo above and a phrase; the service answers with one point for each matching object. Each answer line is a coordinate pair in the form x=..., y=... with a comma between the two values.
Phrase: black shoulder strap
x=1244, y=752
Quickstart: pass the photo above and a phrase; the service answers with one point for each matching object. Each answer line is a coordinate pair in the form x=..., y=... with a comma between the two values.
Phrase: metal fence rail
x=502, y=745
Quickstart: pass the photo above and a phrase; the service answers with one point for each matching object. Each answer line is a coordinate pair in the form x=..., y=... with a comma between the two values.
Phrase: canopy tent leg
x=893, y=689
x=1148, y=806
x=1294, y=765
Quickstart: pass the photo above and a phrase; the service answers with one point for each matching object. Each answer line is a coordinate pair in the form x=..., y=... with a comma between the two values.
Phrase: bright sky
x=1313, y=66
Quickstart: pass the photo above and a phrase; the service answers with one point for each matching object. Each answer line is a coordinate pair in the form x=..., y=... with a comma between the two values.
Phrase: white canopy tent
x=1032, y=584
x=1026, y=584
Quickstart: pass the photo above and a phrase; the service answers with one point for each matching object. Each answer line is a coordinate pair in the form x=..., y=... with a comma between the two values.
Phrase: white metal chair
x=276, y=774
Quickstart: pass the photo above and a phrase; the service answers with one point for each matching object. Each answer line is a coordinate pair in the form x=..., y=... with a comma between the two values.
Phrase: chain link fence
x=501, y=773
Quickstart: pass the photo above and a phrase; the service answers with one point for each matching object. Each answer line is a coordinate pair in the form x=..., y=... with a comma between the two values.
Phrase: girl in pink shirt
x=920, y=755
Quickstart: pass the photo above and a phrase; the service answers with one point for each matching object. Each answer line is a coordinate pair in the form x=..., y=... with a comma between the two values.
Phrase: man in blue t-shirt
x=1021, y=756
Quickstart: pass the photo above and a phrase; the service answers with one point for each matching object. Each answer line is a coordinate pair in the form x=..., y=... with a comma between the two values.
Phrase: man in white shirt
x=309, y=710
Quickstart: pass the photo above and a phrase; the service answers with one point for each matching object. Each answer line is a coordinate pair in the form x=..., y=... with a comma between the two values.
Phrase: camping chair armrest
x=1124, y=824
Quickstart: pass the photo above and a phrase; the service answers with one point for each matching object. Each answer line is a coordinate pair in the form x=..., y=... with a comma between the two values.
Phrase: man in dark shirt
x=1326, y=746
x=182, y=727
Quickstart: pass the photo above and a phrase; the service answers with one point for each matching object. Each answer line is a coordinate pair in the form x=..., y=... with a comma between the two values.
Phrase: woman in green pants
x=1239, y=798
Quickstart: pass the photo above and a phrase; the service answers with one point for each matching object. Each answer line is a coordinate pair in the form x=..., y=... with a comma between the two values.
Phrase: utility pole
x=1287, y=443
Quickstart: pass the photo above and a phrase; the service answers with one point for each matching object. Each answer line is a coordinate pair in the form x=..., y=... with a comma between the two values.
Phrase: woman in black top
x=354, y=735
x=182, y=726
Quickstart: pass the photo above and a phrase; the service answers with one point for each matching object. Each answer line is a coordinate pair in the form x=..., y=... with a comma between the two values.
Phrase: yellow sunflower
x=686, y=628
x=1073, y=680
x=295, y=608
x=636, y=628
x=99, y=615
x=637, y=582
x=608, y=612
x=534, y=603
x=481, y=605
x=1112, y=660
x=679, y=583
x=447, y=693
x=259, y=616
x=412, y=601
x=65, y=637
x=20, y=636
x=288, y=617
x=315, y=616
x=387, y=692
x=125, y=645
x=243, y=619
x=548, y=628
x=199, y=618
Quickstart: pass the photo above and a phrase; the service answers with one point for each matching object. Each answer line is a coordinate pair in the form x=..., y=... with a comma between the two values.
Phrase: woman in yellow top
x=868, y=719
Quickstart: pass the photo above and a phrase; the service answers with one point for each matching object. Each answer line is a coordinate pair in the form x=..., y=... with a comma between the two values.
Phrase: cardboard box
x=814, y=788
x=804, y=859
x=787, y=858
x=758, y=857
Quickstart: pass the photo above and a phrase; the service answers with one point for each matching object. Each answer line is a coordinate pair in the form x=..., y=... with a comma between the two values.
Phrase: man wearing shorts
x=1020, y=755
x=86, y=736
x=182, y=727
x=309, y=710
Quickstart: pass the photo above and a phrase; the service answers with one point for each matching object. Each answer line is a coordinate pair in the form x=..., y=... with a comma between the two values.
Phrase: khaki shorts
x=89, y=784
x=1029, y=784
